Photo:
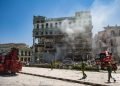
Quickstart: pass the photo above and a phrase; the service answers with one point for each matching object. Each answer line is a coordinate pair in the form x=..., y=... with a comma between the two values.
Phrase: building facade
x=25, y=55
x=24, y=52
x=109, y=39
x=60, y=38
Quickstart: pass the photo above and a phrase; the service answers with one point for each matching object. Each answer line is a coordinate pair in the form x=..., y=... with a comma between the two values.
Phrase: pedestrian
x=109, y=69
x=51, y=65
x=83, y=70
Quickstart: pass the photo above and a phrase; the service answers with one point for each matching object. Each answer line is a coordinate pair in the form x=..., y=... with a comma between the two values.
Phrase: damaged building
x=109, y=39
x=55, y=39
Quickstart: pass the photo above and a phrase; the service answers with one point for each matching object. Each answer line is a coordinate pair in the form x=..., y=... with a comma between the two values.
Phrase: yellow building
x=24, y=53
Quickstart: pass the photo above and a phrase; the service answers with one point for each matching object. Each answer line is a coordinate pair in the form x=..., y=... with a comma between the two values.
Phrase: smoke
x=72, y=29
x=105, y=14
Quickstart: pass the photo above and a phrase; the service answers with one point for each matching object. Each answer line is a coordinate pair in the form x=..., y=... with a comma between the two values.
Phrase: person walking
x=51, y=65
x=109, y=69
x=83, y=70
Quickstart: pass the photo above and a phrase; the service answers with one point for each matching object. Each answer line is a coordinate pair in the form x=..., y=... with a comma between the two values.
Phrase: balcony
x=39, y=44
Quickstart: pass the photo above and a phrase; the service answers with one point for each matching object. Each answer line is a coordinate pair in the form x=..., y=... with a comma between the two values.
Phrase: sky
x=16, y=16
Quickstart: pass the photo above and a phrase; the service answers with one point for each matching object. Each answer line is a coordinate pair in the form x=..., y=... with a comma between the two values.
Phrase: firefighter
x=109, y=69
x=83, y=70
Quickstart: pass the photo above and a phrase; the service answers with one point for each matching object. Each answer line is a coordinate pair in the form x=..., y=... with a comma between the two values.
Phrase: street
x=92, y=77
x=28, y=80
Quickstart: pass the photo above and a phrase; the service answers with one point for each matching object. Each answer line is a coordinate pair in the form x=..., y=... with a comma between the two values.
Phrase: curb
x=63, y=79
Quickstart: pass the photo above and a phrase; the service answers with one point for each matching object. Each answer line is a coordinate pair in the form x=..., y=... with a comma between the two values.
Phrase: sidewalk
x=92, y=79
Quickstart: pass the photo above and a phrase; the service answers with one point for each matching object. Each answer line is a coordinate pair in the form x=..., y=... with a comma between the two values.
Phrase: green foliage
x=57, y=65
x=87, y=68
x=76, y=67
x=41, y=65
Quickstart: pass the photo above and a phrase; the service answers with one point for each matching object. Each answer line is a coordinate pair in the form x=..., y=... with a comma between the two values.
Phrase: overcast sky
x=16, y=16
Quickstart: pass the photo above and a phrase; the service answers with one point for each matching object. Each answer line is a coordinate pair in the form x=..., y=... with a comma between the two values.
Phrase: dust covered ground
x=28, y=80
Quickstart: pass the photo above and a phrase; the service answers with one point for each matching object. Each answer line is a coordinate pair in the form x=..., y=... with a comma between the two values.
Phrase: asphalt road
x=28, y=80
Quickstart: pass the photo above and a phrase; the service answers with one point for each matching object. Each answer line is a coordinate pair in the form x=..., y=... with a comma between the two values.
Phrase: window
x=111, y=43
x=69, y=22
x=51, y=25
x=41, y=33
x=42, y=25
x=25, y=59
x=37, y=21
x=21, y=53
x=46, y=25
x=29, y=53
x=112, y=33
x=35, y=58
x=21, y=59
x=25, y=53
x=36, y=49
x=60, y=32
x=37, y=25
x=100, y=45
x=50, y=32
x=46, y=33
x=55, y=24
x=59, y=23
x=36, y=33
x=28, y=59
